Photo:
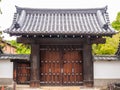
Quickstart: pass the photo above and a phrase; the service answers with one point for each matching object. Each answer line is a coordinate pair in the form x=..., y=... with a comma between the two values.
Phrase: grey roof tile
x=14, y=56
x=105, y=57
x=27, y=57
x=61, y=21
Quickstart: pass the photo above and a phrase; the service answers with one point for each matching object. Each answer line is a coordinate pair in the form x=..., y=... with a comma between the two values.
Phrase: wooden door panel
x=78, y=68
x=50, y=67
x=23, y=72
x=72, y=67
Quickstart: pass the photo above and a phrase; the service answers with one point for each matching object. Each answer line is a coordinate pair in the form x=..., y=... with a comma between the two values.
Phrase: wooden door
x=23, y=73
x=72, y=67
x=61, y=67
x=50, y=67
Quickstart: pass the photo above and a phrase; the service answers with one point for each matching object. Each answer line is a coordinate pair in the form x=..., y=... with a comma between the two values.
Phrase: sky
x=8, y=8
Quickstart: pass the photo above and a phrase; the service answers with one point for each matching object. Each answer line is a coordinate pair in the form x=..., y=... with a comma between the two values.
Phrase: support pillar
x=88, y=65
x=15, y=71
x=35, y=66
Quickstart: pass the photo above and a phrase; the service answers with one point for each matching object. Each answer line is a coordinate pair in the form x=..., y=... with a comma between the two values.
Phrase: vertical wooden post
x=35, y=66
x=88, y=65
x=14, y=86
x=14, y=71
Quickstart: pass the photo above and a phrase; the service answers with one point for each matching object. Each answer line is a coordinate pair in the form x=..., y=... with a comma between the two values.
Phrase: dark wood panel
x=23, y=72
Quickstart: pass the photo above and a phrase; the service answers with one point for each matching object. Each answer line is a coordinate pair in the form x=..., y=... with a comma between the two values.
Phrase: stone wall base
x=97, y=82
x=6, y=81
x=105, y=82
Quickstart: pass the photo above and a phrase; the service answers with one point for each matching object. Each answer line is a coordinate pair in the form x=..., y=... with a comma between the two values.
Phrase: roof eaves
x=40, y=34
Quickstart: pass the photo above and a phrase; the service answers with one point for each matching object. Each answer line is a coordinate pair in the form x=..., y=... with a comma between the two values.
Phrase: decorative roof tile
x=61, y=21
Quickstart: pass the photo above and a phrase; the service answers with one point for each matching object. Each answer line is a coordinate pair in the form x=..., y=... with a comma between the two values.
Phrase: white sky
x=8, y=7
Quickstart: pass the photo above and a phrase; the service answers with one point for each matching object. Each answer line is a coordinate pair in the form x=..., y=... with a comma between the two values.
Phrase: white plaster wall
x=107, y=69
x=6, y=69
x=102, y=69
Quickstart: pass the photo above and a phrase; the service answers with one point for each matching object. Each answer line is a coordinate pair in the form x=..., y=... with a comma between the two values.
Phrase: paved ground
x=26, y=87
x=56, y=88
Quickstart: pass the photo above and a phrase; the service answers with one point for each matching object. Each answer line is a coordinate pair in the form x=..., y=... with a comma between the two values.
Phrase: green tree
x=116, y=22
x=21, y=48
x=110, y=47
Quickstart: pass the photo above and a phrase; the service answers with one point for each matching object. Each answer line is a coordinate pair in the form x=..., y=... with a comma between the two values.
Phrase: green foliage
x=21, y=48
x=116, y=23
x=110, y=47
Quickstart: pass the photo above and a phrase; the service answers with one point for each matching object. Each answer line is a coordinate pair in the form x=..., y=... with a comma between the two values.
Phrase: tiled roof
x=105, y=57
x=14, y=56
x=27, y=57
x=28, y=21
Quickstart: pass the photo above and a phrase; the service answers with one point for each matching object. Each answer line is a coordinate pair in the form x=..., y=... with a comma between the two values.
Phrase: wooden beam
x=87, y=65
x=19, y=60
x=59, y=41
x=35, y=66
x=50, y=41
x=98, y=41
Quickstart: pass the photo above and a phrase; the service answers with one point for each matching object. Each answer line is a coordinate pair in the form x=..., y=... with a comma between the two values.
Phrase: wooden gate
x=61, y=67
x=22, y=72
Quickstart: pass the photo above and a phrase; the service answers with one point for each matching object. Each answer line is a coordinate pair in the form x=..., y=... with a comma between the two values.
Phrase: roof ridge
x=62, y=9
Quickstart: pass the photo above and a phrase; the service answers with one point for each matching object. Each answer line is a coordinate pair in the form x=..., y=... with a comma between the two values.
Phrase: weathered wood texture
x=21, y=73
x=14, y=71
x=98, y=40
x=87, y=65
x=59, y=41
x=35, y=66
x=61, y=67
